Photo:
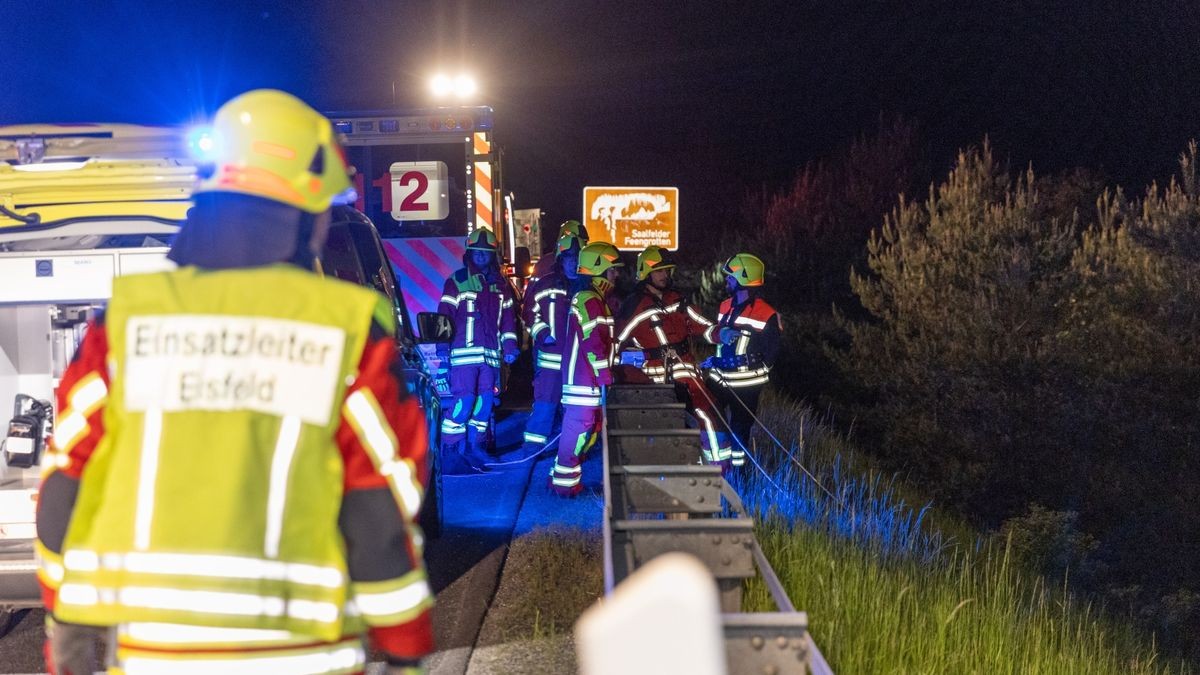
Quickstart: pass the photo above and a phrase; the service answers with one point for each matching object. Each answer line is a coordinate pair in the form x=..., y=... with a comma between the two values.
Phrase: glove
x=727, y=336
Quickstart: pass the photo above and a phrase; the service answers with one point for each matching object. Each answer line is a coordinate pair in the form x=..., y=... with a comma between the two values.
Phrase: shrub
x=1015, y=353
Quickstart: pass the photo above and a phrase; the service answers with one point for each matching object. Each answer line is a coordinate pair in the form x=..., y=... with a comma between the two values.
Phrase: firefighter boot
x=475, y=453
x=454, y=461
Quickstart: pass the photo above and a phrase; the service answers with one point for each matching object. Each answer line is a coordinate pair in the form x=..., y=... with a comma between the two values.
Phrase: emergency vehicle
x=433, y=174
x=426, y=178
x=80, y=205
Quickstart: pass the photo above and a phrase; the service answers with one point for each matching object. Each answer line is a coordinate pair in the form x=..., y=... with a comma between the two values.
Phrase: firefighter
x=546, y=305
x=658, y=321
x=545, y=264
x=748, y=332
x=481, y=303
x=237, y=468
x=587, y=356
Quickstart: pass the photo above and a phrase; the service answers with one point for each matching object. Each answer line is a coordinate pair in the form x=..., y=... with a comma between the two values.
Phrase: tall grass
x=888, y=591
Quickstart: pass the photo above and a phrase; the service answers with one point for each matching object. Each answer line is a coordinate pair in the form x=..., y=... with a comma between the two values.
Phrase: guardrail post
x=725, y=546
x=689, y=489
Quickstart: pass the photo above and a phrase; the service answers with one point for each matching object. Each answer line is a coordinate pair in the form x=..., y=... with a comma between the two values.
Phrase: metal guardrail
x=657, y=498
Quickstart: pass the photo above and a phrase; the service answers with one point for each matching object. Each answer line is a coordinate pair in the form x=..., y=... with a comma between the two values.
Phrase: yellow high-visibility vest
x=213, y=498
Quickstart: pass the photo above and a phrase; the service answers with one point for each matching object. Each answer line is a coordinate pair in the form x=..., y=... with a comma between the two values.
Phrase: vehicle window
x=378, y=268
x=372, y=261
x=339, y=258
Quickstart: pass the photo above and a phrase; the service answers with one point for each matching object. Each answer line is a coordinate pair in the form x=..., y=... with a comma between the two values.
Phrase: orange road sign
x=632, y=218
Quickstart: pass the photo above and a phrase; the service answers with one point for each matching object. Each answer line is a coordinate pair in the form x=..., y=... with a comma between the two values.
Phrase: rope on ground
x=772, y=436
x=745, y=450
x=537, y=455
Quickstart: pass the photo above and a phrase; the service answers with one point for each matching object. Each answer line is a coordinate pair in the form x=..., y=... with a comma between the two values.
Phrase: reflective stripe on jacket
x=757, y=345
x=589, y=348
x=649, y=322
x=547, y=303
x=484, y=317
x=247, y=441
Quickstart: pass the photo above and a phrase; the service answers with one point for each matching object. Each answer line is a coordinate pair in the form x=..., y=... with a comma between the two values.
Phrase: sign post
x=632, y=218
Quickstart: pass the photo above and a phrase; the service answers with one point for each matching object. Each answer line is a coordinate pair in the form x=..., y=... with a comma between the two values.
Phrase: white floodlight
x=464, y=86
x=441, y=85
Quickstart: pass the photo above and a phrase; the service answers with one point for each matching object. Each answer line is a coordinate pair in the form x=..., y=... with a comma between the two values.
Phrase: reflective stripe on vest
x=745, y=375
x=213, y=498
x=343, y=656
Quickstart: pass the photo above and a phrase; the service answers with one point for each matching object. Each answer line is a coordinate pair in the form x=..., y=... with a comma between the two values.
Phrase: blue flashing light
x=344, y=127
x=201, y=144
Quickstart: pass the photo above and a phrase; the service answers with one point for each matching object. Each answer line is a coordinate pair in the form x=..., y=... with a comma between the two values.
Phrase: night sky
x=711, y=97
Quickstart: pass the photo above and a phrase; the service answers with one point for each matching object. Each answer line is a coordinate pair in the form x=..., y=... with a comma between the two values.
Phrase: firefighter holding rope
x=748, y=334
x=657, y=321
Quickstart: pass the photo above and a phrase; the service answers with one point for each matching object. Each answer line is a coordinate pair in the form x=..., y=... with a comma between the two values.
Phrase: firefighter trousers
x=580, y=431
x=715, y=445
x=547, y=395
x=741, y=421
x=473, y=389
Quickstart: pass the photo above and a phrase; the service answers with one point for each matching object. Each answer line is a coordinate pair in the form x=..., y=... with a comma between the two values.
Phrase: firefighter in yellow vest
x=238, y=467
x=747, y=333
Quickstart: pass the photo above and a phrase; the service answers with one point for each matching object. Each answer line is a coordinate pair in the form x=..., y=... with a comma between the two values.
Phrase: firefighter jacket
x=747, y=362
x=587, y=356
x=249, y=461
x=546, y=306
x=484, y=318
x=657, y=324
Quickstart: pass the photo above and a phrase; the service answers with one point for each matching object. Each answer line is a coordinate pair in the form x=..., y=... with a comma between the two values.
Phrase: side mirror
x=522, y=263
x=434, y=328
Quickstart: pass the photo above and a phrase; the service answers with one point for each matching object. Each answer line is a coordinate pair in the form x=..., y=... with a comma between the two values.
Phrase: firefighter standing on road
x=658, y=320
x=547, y=304
x=586, y=362
x=236, y=475
x=481, y=303
x=747, y=333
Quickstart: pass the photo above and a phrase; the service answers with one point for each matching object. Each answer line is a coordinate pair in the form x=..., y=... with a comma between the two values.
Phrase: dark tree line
x=1024, y=348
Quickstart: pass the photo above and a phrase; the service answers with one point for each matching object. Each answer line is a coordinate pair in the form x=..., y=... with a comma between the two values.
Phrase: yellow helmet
x=576, y=228
x=270, y=144
x=598, y=257
x=481, y=240
x=568, y=241
x=652, y=259
x=746, y=270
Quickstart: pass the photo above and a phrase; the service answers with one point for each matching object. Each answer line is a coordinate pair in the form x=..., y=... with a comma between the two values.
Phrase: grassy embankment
x=894, y=589
x=889, y=588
